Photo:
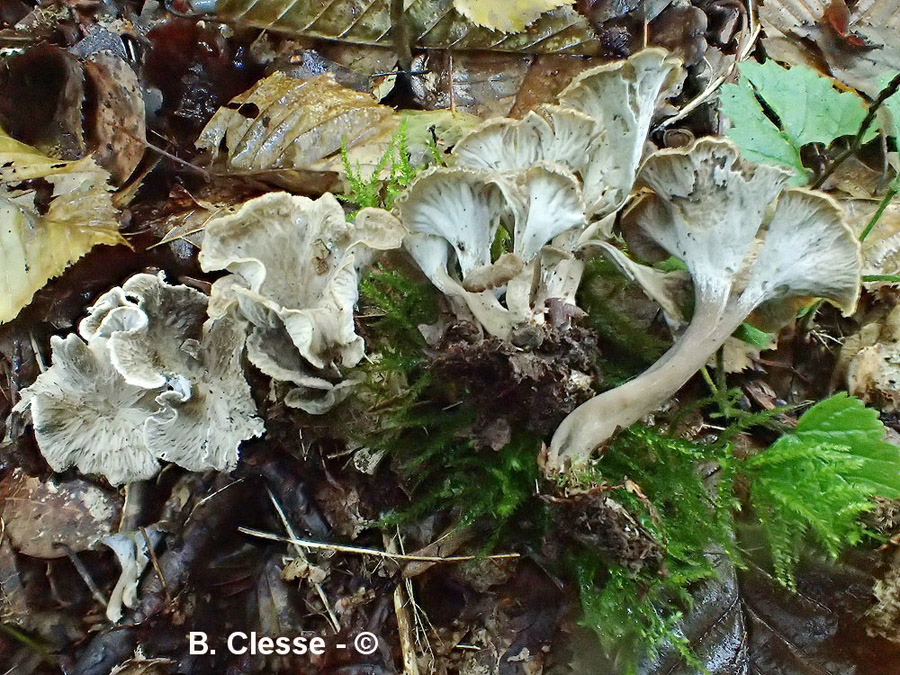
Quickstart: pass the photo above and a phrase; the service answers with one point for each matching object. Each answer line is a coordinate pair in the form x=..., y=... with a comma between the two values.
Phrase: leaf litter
x=435, y=374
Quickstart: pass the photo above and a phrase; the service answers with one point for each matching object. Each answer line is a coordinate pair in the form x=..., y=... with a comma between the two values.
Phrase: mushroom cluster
x=295, y=265
x=549, y=180
x=749, y=245
x=147, y=378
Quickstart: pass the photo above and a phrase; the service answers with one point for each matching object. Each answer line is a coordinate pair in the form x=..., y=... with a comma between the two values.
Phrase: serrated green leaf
x=808, y=107
x=756, y=135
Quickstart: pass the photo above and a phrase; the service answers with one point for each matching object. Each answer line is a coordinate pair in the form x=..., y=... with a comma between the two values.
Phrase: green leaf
x=892, y=106
x=756, y=135
x=753, y=336
x=807, y=106
x=819, y=478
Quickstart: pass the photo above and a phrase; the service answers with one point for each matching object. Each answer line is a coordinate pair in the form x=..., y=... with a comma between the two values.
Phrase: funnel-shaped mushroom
x=453, y=216
x=295, y=267
x=598, y=129
x=716, y=214
x=150, y=380
x=545, y=178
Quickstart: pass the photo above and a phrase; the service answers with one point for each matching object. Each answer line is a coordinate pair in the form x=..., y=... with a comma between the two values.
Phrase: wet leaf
x=115, y=123
x=433, y=24
x=38, y=240
x=283, y=122
x=40, y=514
x=511, y=16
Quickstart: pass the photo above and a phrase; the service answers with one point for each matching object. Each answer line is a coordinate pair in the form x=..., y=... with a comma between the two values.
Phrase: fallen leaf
x=115, y=122
x=432, y=24
x=874, y=24
x=39, y=240
x=41, y=514
x=511, y=16
x=284, y=122
x=288, y=123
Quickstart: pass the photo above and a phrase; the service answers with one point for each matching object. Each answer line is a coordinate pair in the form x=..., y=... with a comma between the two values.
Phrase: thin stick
x=335, y=624
x=856, y=143
x=83, y=573
x=404, y=625
x=155, y=562
x=305, y=543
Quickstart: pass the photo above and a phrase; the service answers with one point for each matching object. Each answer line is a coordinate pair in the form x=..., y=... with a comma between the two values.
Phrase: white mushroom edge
x=552, y=179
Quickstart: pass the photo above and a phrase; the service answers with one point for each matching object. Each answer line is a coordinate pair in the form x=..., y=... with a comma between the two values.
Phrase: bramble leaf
x=807, y=106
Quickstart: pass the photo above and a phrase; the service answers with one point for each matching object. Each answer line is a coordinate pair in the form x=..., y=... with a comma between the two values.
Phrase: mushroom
x=146, y=321
x=295, y=267
x=545, y=178
x=200, y=427
x=85, y=415
x=150, y=380
x=453, y=216
x=747, y=242
x=132, y=551
x=598, y=130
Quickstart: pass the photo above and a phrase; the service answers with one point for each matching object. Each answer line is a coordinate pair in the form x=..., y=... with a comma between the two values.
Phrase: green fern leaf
x=819, y=478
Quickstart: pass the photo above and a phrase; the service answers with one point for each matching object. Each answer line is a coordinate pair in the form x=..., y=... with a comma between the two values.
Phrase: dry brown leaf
x=117, y=121
x=38, y=515
x=858, y=53
x=288, y=123
x=283, y=122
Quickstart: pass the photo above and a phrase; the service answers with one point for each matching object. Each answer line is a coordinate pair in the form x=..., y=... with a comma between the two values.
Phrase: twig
x=83, y=573
x=404, y=625
x=371, y=551
x=301, y=554
x=856, y=143
x=155, y=562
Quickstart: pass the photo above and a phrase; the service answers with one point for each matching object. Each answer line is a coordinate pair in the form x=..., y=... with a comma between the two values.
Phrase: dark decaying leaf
x=115, y=115
x=858, y=47
x=39, y=515
x=432, y=24
x=745, y=623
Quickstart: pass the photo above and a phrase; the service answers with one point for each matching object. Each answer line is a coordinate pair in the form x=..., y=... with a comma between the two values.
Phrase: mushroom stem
x=594, y=422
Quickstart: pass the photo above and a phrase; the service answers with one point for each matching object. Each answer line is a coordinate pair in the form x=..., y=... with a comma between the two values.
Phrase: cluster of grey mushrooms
x=155, y=371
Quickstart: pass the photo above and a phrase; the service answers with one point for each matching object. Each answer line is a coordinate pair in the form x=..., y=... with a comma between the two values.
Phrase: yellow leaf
x=509, y=16
x=39, y=239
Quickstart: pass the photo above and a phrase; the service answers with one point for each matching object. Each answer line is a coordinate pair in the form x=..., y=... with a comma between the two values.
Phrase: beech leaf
x=431, y=24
